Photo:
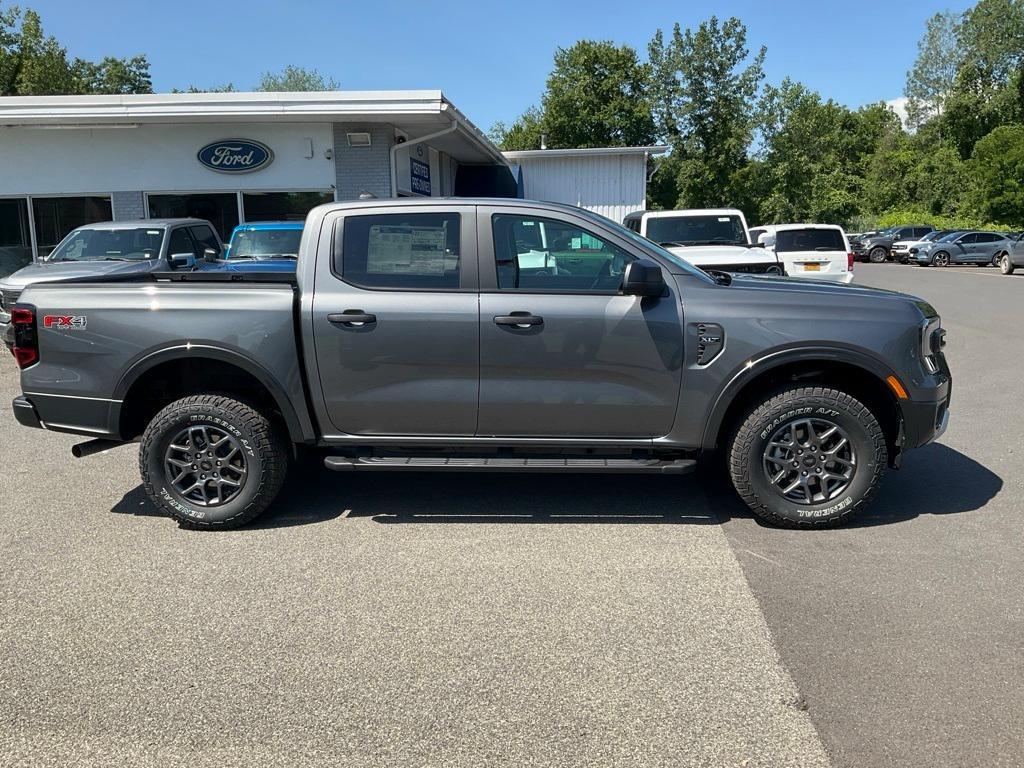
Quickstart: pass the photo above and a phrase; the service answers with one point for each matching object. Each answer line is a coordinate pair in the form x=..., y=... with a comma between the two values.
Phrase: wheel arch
x=857, y=373
x=161, y=376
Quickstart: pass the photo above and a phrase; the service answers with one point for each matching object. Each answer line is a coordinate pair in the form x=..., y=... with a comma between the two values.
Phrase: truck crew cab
x=437, y=334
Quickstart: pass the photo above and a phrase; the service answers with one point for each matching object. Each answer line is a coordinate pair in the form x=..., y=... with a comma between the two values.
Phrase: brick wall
x=363, y=169
x=128, y=205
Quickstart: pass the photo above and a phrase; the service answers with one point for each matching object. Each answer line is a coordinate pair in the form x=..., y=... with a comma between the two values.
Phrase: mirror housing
x=643, y=278
x=209, y=254
x=182, y=260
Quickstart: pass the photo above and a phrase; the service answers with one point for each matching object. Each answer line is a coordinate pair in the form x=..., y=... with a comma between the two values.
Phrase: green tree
x=595, y=96
x=293, y=78
x=932, y=78
x=33, y=63
x=704, y=88
x=997, y=172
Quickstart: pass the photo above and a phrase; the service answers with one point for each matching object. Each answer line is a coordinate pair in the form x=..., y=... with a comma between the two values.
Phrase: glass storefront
x=56, y=216
x=219, y=208
x=282, y=206
x=15, y=235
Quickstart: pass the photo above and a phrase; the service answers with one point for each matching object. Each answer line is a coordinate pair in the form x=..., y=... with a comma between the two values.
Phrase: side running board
x=420, y=464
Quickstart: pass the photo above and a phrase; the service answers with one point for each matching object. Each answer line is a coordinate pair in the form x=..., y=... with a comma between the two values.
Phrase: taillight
x=849, y=261
x=26, y=341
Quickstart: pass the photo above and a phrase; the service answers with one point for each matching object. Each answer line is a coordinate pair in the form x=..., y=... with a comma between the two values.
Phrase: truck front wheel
x=212, y=462
x=808, y=457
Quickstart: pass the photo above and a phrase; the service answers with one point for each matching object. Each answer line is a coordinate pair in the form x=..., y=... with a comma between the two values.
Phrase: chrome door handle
x=353, y=318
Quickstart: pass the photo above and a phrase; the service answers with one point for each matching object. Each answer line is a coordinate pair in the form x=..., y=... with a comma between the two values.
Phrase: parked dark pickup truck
x=436, y=334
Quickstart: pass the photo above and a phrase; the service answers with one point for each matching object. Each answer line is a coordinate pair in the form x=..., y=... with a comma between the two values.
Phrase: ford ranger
x=413, y=337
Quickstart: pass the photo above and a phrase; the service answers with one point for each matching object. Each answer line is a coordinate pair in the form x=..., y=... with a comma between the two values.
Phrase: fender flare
x=300, y=428
x=820, y=352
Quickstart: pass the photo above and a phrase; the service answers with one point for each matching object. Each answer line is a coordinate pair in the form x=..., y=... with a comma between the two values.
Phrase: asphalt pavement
x=436, y=620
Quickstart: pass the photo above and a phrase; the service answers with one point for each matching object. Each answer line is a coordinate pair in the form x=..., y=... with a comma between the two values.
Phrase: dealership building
x=236, y=157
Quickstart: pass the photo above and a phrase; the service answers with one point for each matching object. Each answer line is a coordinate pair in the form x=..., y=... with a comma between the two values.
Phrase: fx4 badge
x=65, y=322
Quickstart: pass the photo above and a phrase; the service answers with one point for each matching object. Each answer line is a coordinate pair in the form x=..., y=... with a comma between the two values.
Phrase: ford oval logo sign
x=235, y=155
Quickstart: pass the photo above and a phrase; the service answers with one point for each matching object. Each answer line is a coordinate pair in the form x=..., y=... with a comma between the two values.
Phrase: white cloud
x=899, y=106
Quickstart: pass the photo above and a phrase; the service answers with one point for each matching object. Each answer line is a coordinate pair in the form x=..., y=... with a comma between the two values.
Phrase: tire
x=247, y=457
x=878, y=255
x=1006, y=265
x=865, y=451
x=940, y=259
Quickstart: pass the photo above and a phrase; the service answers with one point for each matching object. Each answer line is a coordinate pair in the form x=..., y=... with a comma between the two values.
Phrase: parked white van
x=818, y=251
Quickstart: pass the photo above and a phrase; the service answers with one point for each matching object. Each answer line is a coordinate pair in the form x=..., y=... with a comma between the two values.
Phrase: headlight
x=933, y=339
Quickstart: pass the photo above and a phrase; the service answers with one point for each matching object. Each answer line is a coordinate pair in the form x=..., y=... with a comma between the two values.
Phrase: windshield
x=950, y=236
x=697, y=230
x=790, y=240
x=936, y=235
x=109, y=245
x=265, y=243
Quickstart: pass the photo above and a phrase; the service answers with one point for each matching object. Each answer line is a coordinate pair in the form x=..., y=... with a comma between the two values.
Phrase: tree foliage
x=704, y=87
x=595, y=97
x=293, y=78
x=33, y=63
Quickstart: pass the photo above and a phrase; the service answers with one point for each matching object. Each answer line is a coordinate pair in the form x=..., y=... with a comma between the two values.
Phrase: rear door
x=985, y=248
x=813, y=252
x=562, y=352
x=396, y=321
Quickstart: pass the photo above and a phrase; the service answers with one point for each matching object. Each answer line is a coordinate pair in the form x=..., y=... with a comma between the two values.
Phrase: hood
x=796, y=286
x=261, y=265
x=44, y=272
x=721, y=255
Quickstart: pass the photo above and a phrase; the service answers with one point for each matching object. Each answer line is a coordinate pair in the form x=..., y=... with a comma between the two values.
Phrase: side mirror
x=209, y=254
x=182, y=260
x=643, y=278
x=766, y=241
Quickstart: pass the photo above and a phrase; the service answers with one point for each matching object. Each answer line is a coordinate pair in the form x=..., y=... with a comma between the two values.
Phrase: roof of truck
x=141, y=223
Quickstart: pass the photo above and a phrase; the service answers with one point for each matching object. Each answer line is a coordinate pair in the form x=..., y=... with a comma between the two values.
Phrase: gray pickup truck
x=461, y=334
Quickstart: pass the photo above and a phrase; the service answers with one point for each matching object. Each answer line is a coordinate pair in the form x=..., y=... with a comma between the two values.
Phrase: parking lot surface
x=530, y=620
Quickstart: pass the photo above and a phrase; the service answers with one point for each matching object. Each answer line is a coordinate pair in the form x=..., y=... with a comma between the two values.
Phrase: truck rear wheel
x=212, y=462
x=808, y=457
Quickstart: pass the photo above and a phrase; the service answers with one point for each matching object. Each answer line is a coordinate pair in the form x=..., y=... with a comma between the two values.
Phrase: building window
x=218, y=208
x=282, y=206
x=56, y=216
x=15, y=237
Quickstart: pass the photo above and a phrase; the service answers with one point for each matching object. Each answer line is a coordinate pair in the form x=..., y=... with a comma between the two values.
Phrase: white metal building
x=611, y=181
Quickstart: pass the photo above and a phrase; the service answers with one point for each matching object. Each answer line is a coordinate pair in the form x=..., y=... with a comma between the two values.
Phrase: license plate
x=812, y=267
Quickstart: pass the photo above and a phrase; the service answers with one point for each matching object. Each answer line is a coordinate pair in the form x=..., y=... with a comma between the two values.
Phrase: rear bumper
x=25, y=412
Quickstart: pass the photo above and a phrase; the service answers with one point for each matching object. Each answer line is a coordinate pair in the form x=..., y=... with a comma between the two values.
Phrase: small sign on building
x=419, y=177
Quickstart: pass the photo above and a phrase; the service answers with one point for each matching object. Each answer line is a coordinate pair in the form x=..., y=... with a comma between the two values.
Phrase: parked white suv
x=818, y=251
x=708, y=238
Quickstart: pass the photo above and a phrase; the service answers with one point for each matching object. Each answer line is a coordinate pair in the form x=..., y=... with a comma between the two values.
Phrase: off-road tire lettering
x=747, y=446
x=267, y=457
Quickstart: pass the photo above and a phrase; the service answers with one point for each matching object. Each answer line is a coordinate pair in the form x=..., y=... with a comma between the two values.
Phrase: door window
x=180, y=242
x=205, y=237
x=968, y=240
x=401, y=251
x=533, y=254
x=988, y=237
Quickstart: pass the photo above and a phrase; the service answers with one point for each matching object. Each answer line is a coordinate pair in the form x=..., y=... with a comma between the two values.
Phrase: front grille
x=8, y=298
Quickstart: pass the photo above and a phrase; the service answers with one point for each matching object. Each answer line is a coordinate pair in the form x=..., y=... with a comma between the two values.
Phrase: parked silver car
x=1012, y=256
x=964, y=247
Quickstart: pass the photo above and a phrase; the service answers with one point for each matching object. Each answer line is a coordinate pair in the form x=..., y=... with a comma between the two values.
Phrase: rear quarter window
x=790, y=240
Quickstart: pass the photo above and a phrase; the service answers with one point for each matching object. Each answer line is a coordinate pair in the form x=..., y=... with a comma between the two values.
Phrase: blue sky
x=490, y=59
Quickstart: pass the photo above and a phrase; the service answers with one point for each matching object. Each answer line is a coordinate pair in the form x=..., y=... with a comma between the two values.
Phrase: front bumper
x=924, y=422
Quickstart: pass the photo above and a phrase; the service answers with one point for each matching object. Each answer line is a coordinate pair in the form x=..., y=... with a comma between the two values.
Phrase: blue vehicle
x=265, y=246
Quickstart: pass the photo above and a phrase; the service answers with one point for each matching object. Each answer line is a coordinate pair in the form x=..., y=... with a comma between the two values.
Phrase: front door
x=562, y=352
x=396, y=322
